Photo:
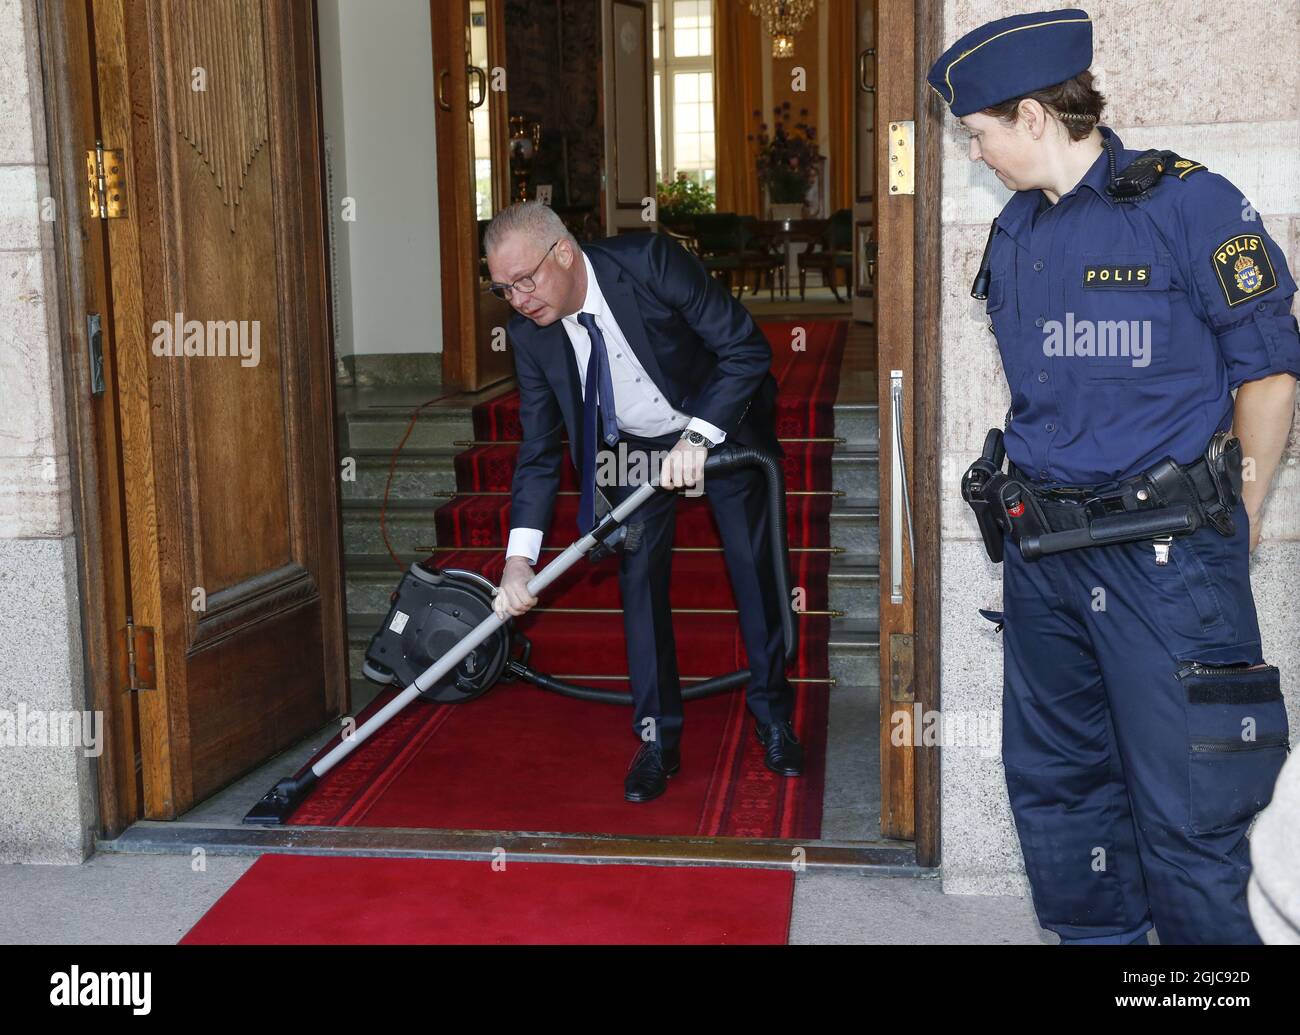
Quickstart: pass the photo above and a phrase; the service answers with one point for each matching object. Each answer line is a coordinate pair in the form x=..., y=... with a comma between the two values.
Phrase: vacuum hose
x=727, y=458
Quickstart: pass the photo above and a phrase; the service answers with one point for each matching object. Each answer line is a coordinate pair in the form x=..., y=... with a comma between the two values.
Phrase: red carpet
x=318, y=900
x=520, y=758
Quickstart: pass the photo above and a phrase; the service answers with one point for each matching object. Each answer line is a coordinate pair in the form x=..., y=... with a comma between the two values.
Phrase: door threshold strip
x=878, y=858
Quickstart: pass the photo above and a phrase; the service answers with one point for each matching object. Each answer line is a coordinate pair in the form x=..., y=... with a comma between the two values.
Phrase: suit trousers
x=738, y=500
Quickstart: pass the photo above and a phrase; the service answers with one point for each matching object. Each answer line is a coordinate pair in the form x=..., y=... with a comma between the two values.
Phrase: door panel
x=895, y=228
x=628, y=93
x=228, y=454
x=864, y=122
x=469, y=36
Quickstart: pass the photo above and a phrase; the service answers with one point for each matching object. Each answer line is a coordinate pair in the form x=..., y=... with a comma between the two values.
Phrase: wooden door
x=471, y=122
x=895, y=228
x=227, y=462
x=628, y=102
x=864, y=187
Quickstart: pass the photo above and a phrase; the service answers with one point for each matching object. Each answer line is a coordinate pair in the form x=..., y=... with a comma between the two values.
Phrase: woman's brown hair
x=1075, y=102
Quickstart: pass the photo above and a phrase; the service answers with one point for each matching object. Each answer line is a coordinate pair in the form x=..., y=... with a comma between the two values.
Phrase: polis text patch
x=1116, y=276
x=1243, y=268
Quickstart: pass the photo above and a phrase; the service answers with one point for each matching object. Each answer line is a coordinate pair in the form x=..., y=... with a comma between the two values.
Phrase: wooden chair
x=720, y=239
x=832, y=251
x=760, y=258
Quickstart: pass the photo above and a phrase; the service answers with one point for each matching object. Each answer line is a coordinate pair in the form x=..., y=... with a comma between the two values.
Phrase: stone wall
x=1213, y=83
x=46, y=797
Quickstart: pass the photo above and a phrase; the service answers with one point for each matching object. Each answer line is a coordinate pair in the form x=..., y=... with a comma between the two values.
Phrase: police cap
x=1011, y=57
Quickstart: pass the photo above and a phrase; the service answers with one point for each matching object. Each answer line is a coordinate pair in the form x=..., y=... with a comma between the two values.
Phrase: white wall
x=1212, y=85
x=377, y=85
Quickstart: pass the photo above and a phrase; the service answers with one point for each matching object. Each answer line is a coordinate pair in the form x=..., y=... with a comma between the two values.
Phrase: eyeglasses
x=526, y=284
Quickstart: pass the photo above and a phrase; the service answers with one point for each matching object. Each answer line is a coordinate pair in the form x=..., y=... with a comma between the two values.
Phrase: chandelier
x=782, y=19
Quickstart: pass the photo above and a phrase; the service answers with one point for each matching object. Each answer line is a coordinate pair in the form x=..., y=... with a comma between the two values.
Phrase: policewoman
x=1131, y=293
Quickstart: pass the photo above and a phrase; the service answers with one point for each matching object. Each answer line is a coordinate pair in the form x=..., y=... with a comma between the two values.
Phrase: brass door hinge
x=138, y=652
x=106, y=182
x=902, y=157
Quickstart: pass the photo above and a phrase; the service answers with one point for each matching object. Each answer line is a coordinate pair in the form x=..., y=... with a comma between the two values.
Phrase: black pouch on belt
x=1023, y=513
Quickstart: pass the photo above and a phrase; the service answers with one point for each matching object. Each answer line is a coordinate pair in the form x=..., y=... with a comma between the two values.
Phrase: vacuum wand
x=571, y=556
x=279, y=803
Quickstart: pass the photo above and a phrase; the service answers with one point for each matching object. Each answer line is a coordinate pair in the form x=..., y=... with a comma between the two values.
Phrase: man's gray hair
x=534, y=219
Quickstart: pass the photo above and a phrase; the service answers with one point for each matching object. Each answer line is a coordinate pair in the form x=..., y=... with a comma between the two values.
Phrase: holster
x=981, y=487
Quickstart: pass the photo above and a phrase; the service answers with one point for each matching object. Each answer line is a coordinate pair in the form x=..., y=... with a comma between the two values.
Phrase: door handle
x=900, y=503
x=474, y=70
x=863, y=85
x=441, y=92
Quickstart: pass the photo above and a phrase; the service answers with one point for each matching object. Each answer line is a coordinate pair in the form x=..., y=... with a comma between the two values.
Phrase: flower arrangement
x=682, y=198
x=787, y=160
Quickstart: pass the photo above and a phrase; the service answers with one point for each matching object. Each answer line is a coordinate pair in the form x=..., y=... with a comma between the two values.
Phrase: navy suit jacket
x=699, y=345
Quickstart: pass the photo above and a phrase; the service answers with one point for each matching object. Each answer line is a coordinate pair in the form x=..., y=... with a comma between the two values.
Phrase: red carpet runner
x=316, y=900
x=521, y=758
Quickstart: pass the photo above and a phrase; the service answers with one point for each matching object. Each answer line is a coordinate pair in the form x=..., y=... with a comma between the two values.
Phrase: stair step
x=853, y=587
x=855, y=526
x=410, y=525
x=848, y=667
x=858, y=424
x=699, y=581
x=853, y=649
x=383, y=428
x=418, y=474
x=856, y=473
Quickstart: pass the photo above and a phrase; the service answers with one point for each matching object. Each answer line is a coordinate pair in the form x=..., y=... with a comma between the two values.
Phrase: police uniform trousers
x=1133, y=789
x=738, y=500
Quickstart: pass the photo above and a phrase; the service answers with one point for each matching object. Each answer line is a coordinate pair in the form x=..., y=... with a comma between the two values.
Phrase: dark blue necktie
x=599, y=388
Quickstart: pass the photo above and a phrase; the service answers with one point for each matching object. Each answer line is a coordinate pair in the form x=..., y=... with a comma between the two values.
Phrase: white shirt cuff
x=714, y=435
x=526, y=541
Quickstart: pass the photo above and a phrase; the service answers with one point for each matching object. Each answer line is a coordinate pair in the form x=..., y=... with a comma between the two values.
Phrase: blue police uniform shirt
x=1123, y=326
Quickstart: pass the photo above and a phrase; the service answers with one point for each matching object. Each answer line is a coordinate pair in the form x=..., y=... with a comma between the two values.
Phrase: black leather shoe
x=782, y=752
x=647, y=776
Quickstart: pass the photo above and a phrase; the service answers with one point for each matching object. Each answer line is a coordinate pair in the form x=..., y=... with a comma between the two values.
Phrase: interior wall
x=377, y=87
x=1214, y=86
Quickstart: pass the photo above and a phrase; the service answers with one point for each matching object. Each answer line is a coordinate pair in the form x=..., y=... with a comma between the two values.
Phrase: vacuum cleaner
x=443, y=641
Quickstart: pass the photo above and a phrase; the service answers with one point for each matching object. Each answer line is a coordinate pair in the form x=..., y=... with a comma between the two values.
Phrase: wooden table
x=787, y=231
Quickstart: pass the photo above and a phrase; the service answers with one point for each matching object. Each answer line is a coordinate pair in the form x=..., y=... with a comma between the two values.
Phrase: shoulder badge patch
x=1243, y=268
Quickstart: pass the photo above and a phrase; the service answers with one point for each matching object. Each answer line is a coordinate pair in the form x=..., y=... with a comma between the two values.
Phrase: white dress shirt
x=639, y=405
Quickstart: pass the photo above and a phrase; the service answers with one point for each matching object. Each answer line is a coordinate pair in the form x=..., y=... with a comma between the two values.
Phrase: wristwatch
x=696, y=439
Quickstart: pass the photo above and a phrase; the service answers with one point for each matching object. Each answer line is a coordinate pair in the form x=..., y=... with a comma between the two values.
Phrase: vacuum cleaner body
x=433, y=610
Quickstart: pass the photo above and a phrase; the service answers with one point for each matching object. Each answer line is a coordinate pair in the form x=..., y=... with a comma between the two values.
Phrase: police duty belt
x=1167, y=499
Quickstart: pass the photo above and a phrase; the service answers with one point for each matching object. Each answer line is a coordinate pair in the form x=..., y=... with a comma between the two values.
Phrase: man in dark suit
x=631, y=345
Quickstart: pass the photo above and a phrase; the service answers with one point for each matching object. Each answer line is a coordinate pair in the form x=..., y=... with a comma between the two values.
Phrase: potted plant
x=680, y=201
x=786, y=162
